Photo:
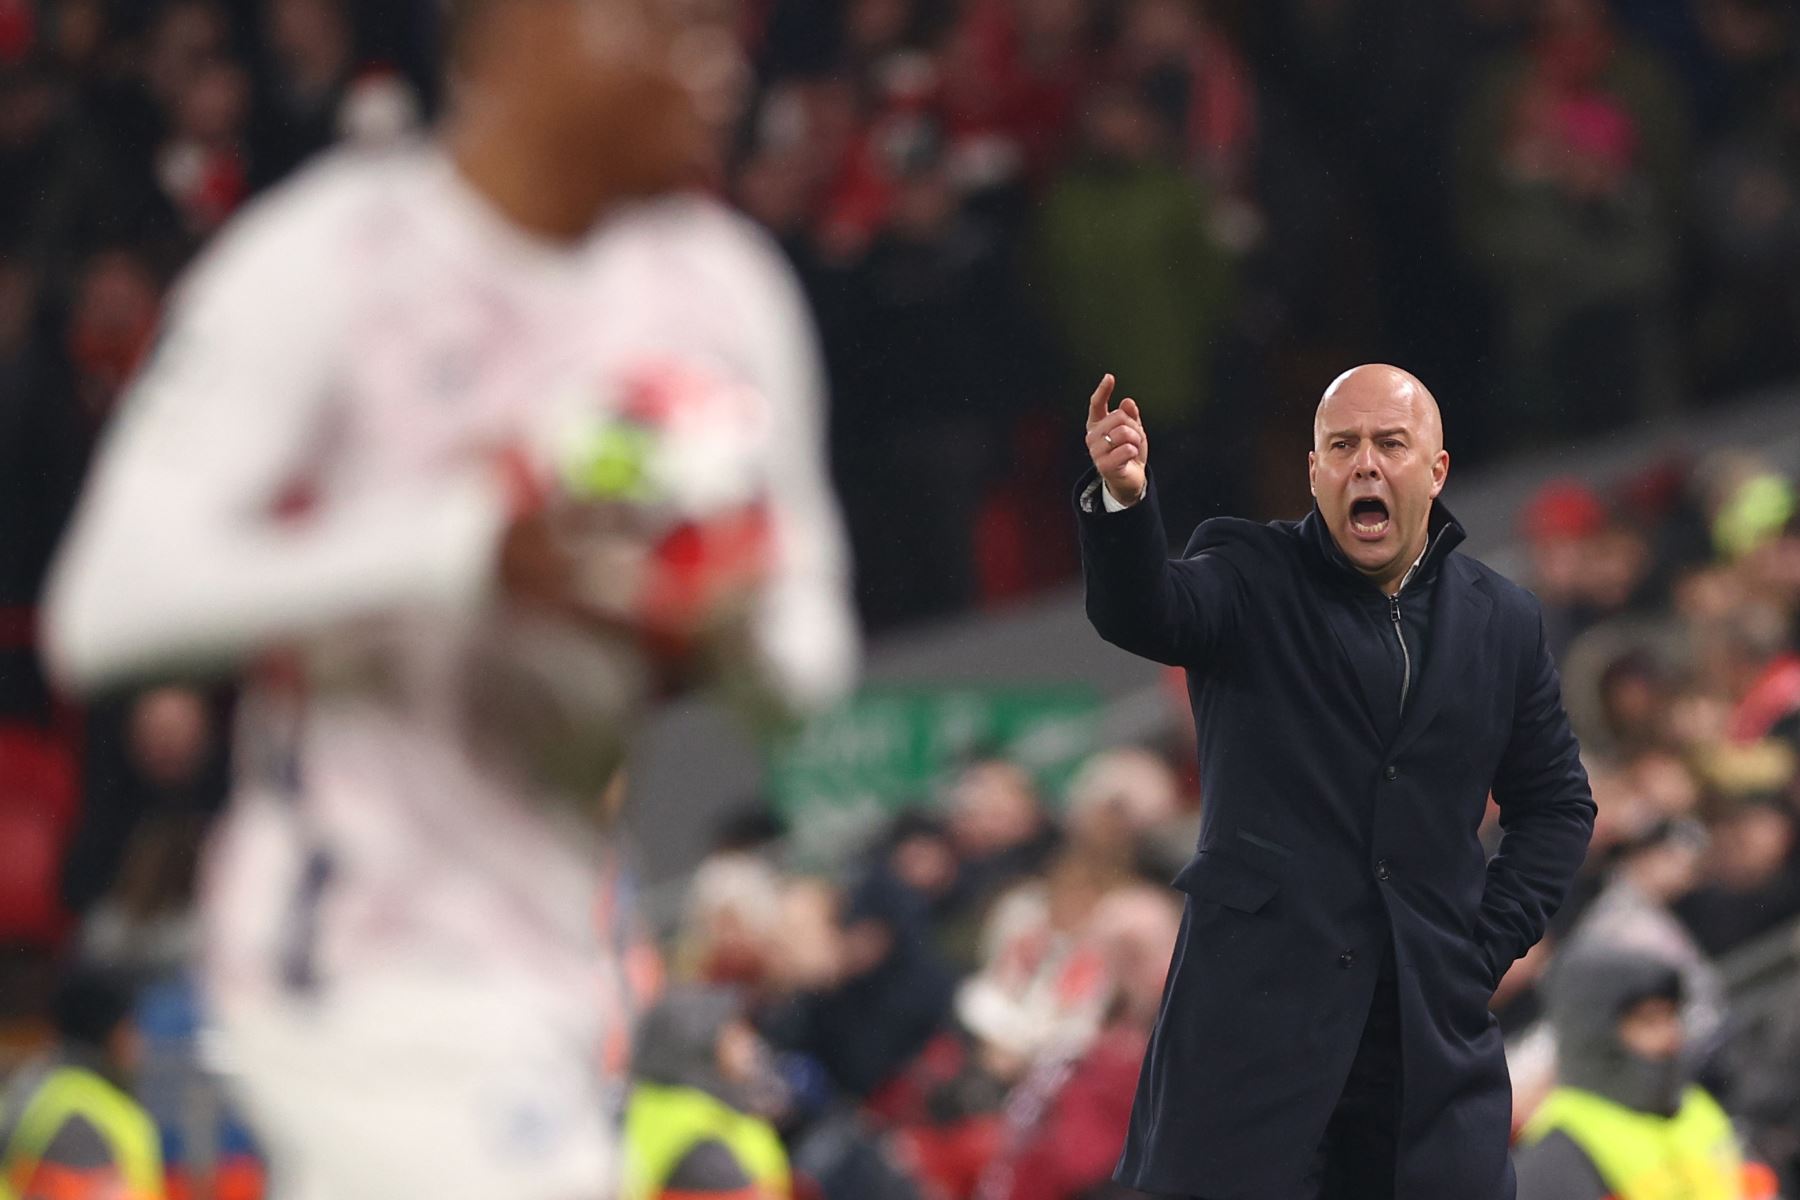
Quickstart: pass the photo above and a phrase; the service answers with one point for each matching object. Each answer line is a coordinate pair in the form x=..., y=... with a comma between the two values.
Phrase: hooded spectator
x=703, y=1090
x=68, y=1125
x=1626, y=1120
x=1651, y=871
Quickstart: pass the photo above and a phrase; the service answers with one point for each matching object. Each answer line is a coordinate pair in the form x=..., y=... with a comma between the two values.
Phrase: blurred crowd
x=1673, y=605
x=958, y=1009
x=1565, y=214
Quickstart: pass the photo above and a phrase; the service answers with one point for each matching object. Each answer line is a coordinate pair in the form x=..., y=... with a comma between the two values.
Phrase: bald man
x=1359, y=690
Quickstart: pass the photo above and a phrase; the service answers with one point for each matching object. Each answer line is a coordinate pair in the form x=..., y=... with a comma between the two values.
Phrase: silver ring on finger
x=1108, y=438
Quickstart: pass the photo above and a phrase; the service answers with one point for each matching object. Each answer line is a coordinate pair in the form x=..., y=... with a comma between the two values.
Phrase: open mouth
x=1369, y=517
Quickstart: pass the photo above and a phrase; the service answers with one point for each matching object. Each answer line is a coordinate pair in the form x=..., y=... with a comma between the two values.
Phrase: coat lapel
x=1340, y=616
x=1351, y=635
x=1459, y=614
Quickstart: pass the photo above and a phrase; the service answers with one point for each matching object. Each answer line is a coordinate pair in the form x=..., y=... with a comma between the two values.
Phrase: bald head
x=1380, y=386
x=1377, y=465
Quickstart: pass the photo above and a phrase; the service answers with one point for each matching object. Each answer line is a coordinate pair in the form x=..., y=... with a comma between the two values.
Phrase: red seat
x=37, y=811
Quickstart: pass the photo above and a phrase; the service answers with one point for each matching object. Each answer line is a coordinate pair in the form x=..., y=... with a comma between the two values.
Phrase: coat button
x=1383, y=871
x=1391, y=773
x=1346, y=958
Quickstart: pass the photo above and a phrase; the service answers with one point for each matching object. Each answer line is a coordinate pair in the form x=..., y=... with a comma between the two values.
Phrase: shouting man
x=1359, y=690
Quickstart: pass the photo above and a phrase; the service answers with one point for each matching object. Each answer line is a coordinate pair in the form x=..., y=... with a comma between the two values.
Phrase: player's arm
x=181, y=558
x=1177, y=612
x=1546, y=816
x=805, y=631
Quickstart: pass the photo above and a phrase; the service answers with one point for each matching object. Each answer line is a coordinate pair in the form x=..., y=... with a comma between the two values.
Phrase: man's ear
x=1312, y=473
x=1440, y=472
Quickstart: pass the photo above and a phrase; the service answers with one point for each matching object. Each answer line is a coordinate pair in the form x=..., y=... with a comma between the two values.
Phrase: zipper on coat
x=1405, y=654
x=1399, y=630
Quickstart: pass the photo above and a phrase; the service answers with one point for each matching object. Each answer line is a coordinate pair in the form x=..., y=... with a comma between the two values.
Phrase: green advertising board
x=893, y=747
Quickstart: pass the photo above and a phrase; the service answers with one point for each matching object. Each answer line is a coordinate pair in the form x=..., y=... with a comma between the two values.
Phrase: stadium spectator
x=69, y=1128
x=1064, y=1122
x=729, y=927
x=1626, y=1120
x=154, y=757
x=1118, y=804
x=1571, y=186
x=116, y=307
x=890, y=994
x=1014, y=74
x=934, y=310
x=310, y=54
x=1134, y=273
x=1652, y=870
x=702, y=1092
x=1042, y=982
x=1001, y=835
x=1559, y=524
x=203, y=165
x=1752, y=882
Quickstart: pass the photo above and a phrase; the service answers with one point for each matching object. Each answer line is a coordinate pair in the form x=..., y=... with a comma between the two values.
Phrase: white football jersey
x=307, y=467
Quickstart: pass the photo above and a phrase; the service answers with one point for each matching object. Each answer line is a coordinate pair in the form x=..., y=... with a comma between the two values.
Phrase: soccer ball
x=657, y=488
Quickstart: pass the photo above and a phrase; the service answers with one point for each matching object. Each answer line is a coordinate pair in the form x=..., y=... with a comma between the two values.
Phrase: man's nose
x=1368, y=466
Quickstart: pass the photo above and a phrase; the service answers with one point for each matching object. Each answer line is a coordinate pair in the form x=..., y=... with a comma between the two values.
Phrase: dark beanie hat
x=88, y=1004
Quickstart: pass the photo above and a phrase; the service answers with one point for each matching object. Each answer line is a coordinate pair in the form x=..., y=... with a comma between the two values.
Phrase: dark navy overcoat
x=1330, y=833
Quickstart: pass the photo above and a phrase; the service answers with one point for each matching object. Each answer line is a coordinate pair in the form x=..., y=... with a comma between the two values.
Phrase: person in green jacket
x=69, y=1127
x=692, y=1126
x=1133, y=273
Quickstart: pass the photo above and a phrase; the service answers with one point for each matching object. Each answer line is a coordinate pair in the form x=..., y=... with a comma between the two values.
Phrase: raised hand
x=1117, y=443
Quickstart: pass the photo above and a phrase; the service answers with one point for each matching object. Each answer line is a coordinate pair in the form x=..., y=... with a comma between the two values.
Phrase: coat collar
x=1443, y=533
x=1459, y=612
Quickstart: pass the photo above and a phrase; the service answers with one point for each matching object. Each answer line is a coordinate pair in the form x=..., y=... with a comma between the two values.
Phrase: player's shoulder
x=300, y=231
x=693, y=236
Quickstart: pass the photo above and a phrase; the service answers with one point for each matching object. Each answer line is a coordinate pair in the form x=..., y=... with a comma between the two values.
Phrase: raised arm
x=181, y=559
x=806, y=631
x=1175, y=611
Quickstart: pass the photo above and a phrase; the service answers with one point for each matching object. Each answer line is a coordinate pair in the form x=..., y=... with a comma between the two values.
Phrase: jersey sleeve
x=180, y=559
x=806, y=632
x=709, y=289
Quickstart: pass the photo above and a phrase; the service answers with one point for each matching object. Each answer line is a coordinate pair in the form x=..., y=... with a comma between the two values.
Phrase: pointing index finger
x=1097, y=403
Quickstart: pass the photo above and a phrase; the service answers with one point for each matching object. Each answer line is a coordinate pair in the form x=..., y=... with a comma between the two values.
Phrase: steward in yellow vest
x=692, y=1126
x=68, y=1129
x=1626, y=1124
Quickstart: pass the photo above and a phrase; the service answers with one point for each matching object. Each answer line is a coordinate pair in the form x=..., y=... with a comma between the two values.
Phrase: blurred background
x=943, y=908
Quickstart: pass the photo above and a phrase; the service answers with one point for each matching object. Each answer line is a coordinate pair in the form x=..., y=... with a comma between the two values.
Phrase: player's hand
x=1117, y=444
x=536, y=569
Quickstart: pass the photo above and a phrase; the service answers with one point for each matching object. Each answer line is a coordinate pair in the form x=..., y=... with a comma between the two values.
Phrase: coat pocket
x=1225, y=880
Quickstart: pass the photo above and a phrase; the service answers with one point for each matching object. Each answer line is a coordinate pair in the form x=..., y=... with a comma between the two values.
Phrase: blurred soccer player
x=401, y=948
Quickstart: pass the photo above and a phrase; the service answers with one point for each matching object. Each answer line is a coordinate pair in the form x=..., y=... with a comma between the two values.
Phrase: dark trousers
x=1355, y=1159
